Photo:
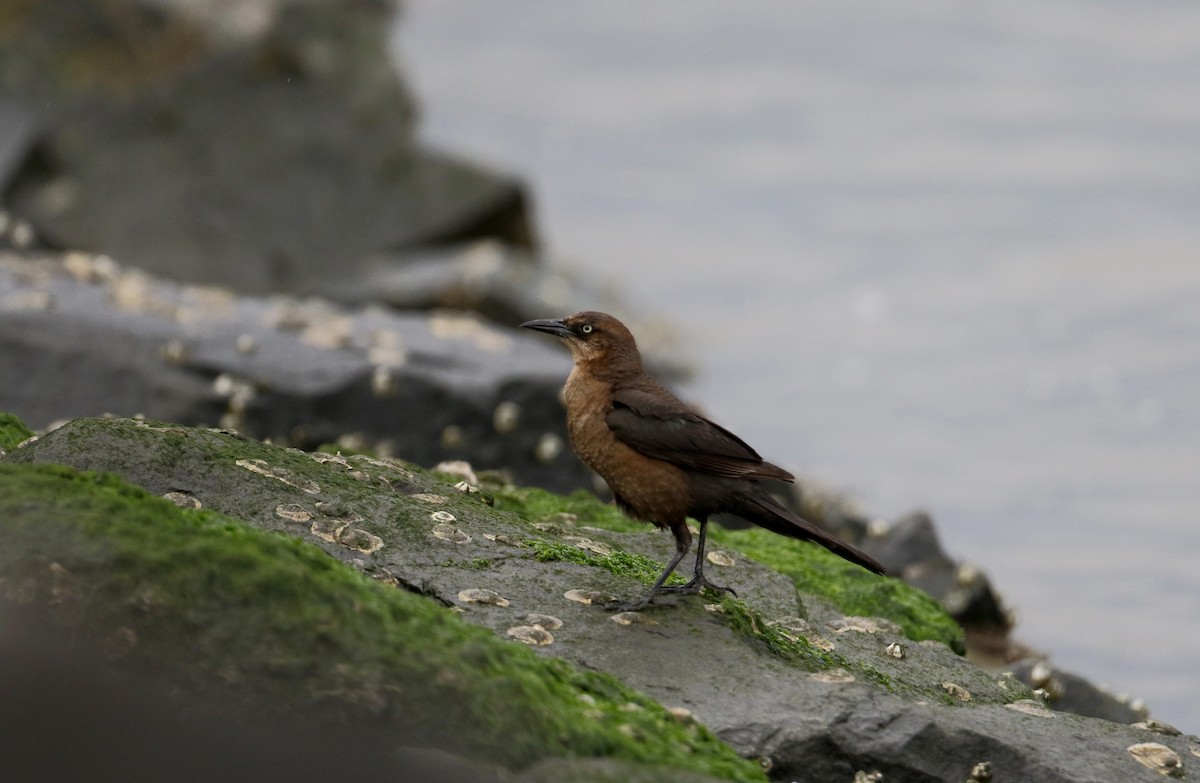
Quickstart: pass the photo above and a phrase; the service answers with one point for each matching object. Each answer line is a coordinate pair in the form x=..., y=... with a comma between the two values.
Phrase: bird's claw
x=697, y=584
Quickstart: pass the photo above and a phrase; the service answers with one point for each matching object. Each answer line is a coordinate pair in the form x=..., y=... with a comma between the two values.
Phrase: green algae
x=811, y=568
x=249, y=607
x=624, y=564
x=919, y=674
x=12, y=431
x=855, y=591
x=587, y=509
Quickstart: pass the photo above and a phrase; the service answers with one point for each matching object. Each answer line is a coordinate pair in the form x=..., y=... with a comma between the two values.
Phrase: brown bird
x=663, y=461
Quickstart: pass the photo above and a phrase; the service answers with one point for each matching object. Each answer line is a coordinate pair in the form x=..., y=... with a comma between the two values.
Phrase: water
x=935, y=255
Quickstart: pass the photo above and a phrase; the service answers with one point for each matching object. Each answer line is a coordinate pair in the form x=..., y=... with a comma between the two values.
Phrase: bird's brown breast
x=654, y=490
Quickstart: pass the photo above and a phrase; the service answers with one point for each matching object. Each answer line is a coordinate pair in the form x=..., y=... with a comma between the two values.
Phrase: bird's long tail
x=765, y=511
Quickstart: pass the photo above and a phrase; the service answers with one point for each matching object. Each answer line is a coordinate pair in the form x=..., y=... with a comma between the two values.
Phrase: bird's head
x=594, y=338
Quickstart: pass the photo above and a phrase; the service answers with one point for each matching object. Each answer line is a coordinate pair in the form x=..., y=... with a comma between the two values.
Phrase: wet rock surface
x=253, y=630
x=814, y=694
x=82, y=335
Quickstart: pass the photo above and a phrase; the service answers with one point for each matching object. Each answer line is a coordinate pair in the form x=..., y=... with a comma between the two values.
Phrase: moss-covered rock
x=816, y=571
x=12, y=431
x=811, y=689
x=280, y=617
x=813, y=570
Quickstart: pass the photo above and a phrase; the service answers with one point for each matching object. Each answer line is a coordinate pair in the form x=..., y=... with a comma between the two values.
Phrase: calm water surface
x=934, y=255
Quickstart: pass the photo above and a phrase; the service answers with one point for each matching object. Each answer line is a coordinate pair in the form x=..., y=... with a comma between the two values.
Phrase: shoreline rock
x=275, y=159
x=431, y=386
x=822, y=698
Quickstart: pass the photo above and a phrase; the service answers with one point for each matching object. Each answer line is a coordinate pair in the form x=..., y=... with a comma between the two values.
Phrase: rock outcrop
x=793, y=680
x=269, y=150
x=81, y=335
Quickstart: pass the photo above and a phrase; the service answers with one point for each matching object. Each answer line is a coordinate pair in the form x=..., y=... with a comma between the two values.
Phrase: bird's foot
x=698, y=583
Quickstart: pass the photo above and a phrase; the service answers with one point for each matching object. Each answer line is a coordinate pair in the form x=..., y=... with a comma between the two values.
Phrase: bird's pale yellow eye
x=586, y=329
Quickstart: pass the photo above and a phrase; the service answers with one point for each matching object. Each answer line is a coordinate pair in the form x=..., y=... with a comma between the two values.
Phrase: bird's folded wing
x=660, y=426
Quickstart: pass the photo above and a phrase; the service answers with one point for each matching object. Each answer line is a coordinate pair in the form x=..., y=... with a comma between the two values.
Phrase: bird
x=663, y=461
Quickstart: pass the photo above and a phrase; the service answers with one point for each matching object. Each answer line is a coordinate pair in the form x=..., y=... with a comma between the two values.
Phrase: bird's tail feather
x=764, y=511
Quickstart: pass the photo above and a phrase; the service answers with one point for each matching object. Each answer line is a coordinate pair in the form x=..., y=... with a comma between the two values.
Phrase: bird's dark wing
x=660, y=426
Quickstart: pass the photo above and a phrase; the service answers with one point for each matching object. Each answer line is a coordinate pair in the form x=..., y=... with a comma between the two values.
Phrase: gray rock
x=504, y=283
x=18, y=132
x=74, y=711
x=87, y=337
x=1069, y=692
x=910, y=548
x=273, y=159
x=927, y=715
x=911, y=542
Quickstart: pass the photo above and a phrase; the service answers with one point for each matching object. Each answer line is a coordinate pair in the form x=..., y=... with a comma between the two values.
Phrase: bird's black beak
x=548, y=325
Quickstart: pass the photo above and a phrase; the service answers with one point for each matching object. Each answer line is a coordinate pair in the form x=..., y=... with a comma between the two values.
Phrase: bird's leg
x=699, y=580
x=682, y=544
